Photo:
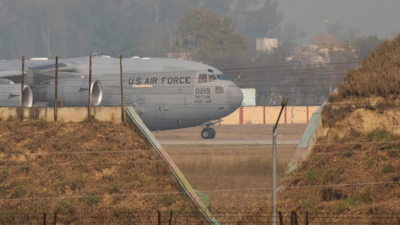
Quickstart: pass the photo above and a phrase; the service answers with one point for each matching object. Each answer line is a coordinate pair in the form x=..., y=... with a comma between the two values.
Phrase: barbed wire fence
x=224, y=217
x=270, y=82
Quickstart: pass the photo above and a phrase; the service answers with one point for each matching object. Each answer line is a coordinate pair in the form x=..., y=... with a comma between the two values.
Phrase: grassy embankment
x=74, y=167
x=355, y=167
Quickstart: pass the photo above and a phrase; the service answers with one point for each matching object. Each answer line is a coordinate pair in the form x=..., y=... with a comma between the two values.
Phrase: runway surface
x=231, y=142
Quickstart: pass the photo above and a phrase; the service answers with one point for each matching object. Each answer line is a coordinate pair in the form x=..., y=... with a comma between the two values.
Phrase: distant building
x=267, y=44
x=316, y=53
x=325, y=39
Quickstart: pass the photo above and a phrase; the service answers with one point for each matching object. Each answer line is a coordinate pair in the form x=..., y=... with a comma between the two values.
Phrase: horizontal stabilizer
x=49, y=67
x=83, y=89
x=61, y=75
x=13, y=96
x=11, y=73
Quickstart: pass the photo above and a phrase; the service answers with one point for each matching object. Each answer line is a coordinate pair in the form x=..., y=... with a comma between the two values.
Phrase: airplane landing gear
x=208, y=133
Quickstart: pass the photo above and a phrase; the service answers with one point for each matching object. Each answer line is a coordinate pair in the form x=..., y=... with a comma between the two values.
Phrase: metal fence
x=224, y=217
x=305, y=86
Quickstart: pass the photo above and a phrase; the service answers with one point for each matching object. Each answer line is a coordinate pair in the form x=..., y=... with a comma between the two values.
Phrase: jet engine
x=71, y=92
x=10, y=94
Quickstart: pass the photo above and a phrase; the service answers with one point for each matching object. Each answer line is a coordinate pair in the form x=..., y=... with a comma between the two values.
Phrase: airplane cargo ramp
x=182, y=184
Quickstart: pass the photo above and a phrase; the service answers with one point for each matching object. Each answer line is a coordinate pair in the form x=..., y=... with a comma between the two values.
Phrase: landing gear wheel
x=213, y=133
x=205, y=133
x=208, y=133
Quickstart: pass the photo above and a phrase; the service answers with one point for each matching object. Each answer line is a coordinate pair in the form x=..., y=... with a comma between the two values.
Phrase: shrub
x=312, y=175
x=380, y=135
x=169, y=199
x=388, y=168
x=91, y=198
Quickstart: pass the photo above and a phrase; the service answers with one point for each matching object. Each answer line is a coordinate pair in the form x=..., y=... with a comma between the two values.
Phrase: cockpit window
x=222, y=77
x=211, y=77
x=203, y=78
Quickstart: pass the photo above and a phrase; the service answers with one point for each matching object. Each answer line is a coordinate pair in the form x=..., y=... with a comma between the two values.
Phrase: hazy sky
x=371, y=17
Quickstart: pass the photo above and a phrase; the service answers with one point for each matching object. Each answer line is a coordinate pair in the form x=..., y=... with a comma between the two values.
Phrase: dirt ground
x=252, y=131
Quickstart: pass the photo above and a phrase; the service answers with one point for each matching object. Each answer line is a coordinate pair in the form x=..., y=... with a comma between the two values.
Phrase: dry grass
x=374, y=166
x=377, y=76
x=40, y=160
x=225, y=167
x=355, y=167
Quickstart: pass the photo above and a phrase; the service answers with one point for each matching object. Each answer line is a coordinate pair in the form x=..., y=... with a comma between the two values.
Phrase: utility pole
x=90, y=91
x=122, y=91
x=284, y=103
x=22, y=88
x=55, y=94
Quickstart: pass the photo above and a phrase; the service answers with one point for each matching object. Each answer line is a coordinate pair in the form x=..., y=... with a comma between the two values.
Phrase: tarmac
x=230, y=142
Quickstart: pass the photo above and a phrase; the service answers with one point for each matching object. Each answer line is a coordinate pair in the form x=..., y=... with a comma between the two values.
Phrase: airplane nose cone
x=234, y=97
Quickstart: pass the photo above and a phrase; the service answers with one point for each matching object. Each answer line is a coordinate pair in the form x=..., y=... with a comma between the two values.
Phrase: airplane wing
x=11, y=74
x=11, y=70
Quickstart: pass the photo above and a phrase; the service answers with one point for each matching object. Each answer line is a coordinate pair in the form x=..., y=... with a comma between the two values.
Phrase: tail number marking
x=203, y=91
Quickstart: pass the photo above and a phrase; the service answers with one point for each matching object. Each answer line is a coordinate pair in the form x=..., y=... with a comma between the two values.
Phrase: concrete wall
x=67, y=114
x=313, y=132
x=268, y=115
x=244, y=115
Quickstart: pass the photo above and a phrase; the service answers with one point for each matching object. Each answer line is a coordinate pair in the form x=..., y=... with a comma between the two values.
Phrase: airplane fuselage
x=166, y=93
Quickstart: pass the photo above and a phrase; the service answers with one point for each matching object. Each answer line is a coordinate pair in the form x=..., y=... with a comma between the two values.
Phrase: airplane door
x=160, y=111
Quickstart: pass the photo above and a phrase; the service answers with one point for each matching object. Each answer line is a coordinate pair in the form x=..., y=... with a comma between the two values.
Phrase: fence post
x=122, y=91
x=306, y=217
x=55, y=218
x=56, y=91
x=170, y=219
x=159, y=218
x=90, y=90
x=292, y=218
x=22, y=88
x=44, y=218
x=280, y=218
x=295, y=218
x=264, y=114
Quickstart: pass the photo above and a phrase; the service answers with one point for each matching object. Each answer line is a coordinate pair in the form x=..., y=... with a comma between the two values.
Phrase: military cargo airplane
x=166, y=93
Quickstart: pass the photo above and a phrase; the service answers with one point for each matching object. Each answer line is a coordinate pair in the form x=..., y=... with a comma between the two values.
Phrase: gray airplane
x=166, y=93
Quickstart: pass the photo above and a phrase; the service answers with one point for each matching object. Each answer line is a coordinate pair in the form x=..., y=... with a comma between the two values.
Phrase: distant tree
x=73, y=28
x=207, y=36
x=287, y=37
x=345, y=35
x=364, y=46
x=337, y=30
x=259, y=21
x=153, y=41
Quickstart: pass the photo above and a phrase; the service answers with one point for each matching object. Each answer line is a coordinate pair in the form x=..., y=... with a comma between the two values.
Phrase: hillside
x=355, y=166
x=74, y=167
